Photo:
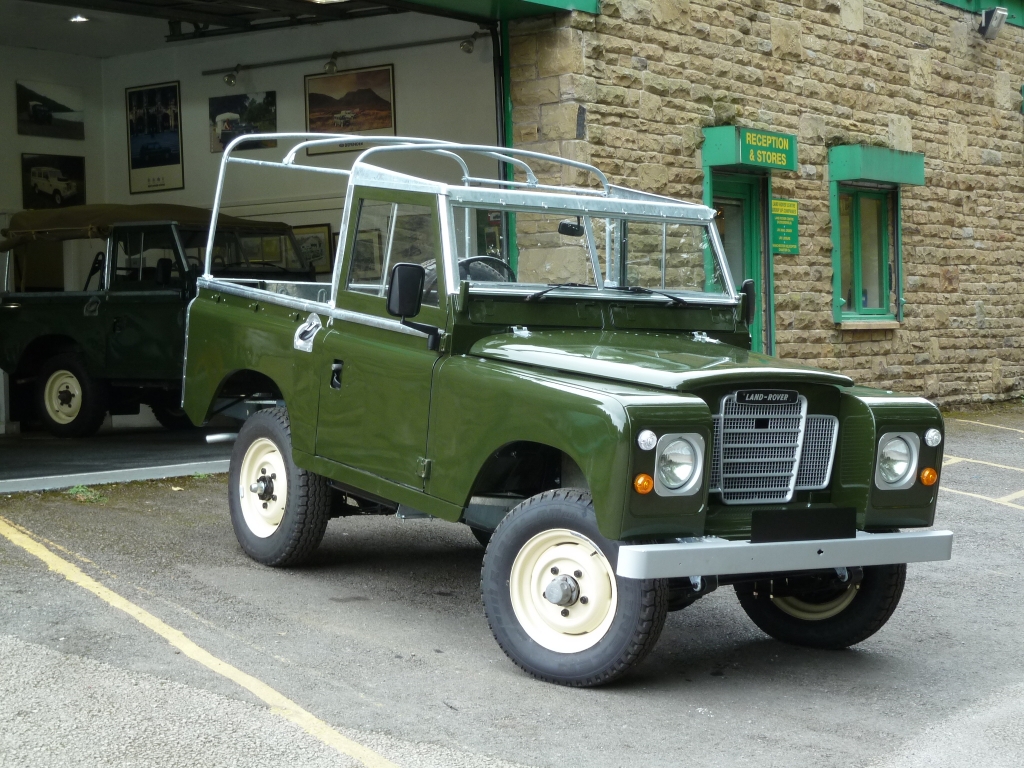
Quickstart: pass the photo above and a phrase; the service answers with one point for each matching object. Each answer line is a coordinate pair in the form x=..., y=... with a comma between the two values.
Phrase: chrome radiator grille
x=766, y=452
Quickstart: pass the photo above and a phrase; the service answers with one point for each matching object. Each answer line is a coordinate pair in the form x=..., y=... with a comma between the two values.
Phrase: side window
x=865, y=242
x=145, y=259
x=390, y=233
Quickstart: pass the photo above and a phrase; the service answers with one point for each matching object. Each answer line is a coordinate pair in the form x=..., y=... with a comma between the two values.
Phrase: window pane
x=388, y=234
x=872, y=230
x=547, y=256
x=846, y=251
x=671, y=256
x=146, y=260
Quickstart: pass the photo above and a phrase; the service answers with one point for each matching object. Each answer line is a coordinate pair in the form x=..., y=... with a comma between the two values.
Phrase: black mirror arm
x=432, y=331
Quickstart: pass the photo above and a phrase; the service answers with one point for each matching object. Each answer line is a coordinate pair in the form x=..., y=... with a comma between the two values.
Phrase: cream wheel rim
x=563, y=554
x=263, y=487
x=801, y=609
x=62, y=396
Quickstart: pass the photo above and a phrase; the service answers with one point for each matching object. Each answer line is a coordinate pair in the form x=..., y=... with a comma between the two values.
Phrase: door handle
x=91, y=308
x=336, y=368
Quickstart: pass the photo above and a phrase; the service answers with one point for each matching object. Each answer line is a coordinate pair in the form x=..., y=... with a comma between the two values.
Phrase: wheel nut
x=554, y=570
x=264, y=505
x=578, y=574
x=565, y=611
x=273, y=498
x=263, y=470
x=584, y=600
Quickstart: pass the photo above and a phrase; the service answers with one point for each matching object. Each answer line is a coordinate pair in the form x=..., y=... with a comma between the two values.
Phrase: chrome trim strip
x=712, y=556
x=256, y=294
x=383, y=323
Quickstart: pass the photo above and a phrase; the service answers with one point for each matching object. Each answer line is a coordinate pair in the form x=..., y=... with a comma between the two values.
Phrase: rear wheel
x=552, y=598
x=70, y=402
x=58, y=198
x=172, y=417
x=831, y=617
x=279, y=511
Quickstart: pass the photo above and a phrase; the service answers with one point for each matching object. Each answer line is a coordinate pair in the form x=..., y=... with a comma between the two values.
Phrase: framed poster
x=52, y=181
x=155, y=162
x=241, y=113
x=54, y=111
x=359, y=101
x=315, y=243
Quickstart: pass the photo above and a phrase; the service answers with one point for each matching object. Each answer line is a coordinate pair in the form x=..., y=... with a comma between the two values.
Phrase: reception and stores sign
x=785, y=234
x=768, y=150
x=728, y=145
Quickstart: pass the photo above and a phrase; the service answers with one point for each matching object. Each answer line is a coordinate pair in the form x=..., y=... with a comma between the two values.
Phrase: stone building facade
x=634, y=89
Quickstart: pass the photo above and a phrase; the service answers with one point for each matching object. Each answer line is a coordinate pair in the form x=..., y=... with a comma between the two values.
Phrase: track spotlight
x=231, y=78
x=331, y=66
x=467, y=45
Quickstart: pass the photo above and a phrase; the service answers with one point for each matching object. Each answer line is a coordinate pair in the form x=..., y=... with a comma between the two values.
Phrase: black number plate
x=766, y=396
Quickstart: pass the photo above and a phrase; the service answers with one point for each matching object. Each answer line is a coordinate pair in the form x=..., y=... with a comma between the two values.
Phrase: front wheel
x=279, y=511
x=829, y=617
x=70, y=402
x=58, y=198
x=553, y=601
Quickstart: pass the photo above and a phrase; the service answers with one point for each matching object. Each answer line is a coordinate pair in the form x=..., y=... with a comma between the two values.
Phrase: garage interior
x=447, y=84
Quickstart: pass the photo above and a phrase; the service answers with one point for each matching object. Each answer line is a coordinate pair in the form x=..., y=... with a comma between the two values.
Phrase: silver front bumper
x=711, y=556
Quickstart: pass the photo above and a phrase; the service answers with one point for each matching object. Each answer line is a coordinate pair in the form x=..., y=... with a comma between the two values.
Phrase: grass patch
x=199, y=476
x=85, y=494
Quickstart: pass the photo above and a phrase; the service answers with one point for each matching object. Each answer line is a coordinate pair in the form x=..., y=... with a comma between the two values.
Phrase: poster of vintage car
x=155, y=161
x=52, y=181
x=314, y=244
x=241, y=113
x=360, y=101
x=46, y=109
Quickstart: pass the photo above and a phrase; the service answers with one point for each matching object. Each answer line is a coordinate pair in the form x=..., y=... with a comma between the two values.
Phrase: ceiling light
x=78, y=18
x=992, y=21
x=331, y=66
x=467, y=45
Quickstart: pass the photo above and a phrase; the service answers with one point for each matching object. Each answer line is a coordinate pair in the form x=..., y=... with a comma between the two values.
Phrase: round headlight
x=932, y=437
x=895, y=460
x=676, y=464
x=646, y=440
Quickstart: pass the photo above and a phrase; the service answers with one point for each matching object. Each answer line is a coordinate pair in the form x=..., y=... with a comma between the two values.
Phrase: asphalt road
x=383, y=639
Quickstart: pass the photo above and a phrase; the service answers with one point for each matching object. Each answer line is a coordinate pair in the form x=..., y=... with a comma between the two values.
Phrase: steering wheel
x=488, y=261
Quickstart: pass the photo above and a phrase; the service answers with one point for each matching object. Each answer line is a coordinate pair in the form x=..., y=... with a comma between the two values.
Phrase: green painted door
x=739, y=203
x=376, y=376
x=145, y=307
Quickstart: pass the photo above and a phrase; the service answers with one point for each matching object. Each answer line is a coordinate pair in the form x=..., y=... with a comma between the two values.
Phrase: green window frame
x=865, y=267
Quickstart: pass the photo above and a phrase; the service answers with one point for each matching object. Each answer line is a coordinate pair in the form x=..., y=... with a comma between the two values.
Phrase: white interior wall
x=440, y=92
x=62, y=69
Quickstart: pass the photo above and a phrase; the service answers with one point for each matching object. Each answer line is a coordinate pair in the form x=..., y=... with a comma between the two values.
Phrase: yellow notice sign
x=785, y=226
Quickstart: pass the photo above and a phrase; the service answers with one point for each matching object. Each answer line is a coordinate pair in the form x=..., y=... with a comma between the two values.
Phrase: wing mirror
x=405, y=297
x=749, y=301
x=569, y=229
x=405, y=290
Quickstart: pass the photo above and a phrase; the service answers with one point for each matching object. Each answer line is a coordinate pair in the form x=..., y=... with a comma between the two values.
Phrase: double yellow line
x=278, y=703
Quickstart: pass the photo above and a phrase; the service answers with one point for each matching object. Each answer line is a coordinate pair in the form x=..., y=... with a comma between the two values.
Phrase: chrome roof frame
x=606, y=200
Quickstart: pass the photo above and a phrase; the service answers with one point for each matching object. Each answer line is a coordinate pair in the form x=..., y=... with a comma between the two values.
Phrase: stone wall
x=631, y=89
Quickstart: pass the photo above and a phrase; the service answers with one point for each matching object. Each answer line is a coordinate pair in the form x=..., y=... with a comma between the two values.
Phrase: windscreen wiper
x=640, y=289
x=553, y=286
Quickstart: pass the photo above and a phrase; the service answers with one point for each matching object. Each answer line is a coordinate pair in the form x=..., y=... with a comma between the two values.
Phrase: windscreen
x=526, y=247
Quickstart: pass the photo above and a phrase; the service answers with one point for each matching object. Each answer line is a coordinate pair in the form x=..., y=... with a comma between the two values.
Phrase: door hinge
x=423, y=468
x=446, y=342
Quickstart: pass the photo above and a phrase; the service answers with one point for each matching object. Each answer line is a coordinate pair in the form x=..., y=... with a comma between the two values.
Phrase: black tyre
x=70, y=402
x=830, y=618
x=552, y=598
x=58, y=198
x=279, y=511
x=173, y=418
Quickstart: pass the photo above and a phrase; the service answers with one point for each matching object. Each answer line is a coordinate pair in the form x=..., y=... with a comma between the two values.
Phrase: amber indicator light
x=929, y=476
x=643, y=484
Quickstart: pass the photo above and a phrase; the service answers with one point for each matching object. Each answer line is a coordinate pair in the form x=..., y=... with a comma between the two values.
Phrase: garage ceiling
x=191, y=19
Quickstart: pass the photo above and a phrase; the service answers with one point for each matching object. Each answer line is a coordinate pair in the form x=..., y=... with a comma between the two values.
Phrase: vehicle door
x=375, y=372
x=145, y=304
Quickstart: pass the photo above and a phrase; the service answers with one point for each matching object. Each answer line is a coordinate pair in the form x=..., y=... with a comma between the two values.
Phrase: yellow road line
x=986, y=424
x=984, y=498
x=1011, y=497
x=958, y=459
x=279, y=704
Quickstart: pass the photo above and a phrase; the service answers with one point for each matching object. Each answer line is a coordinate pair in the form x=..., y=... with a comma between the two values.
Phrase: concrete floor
x=383, y=637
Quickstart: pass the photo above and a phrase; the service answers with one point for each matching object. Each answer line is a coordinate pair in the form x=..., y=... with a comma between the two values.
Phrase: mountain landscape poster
x=45, y=109
x=359, y=101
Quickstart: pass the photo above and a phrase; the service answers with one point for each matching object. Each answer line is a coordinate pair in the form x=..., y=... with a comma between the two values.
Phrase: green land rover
x=566, y=370
x=93, y=299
